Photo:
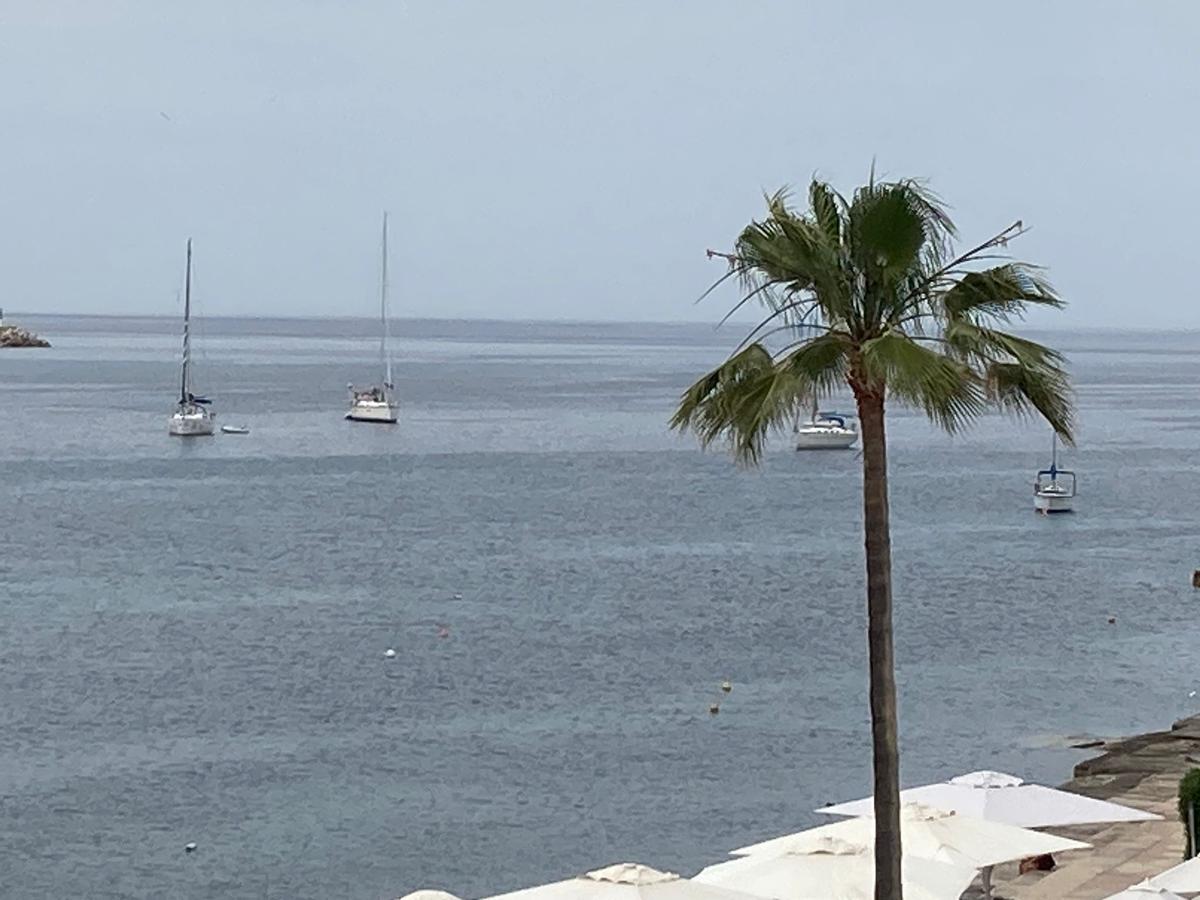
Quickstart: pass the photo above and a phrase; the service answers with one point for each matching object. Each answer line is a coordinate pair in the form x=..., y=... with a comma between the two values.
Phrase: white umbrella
x=429, y=895
x=1144, y=891
x=626, y=881
x=1182, y=879
x=997, y=797
x=835, y=870
x=934, y=834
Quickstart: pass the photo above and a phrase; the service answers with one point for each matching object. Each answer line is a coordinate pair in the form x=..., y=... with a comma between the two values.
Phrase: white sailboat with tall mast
x=378, y=403
x=193, y=415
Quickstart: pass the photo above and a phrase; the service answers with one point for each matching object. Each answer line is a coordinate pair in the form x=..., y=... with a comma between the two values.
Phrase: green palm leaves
x=867, y=292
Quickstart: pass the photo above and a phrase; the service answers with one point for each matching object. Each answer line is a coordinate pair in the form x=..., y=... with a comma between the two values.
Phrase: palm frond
x=1002, y=292
x=897, y=233
x=793, y=252
x=827, y=211
x=891, y=223
x=1025, y=390
x=818, y=365
x=741, y=401
x=884, y=233
x=973, y=342
x=946, y=388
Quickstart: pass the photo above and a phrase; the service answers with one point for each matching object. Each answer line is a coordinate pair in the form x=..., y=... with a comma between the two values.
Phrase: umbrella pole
x=985, y=876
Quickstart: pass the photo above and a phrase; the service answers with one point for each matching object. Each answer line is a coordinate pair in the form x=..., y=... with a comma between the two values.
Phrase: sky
x=544, y=159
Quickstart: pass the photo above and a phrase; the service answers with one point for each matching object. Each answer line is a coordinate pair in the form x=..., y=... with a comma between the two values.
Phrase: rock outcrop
x=12, y=336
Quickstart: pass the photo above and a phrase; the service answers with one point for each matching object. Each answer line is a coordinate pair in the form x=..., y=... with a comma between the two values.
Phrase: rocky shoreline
x=12, y=336
x=1142, y=771
x=1128, y=762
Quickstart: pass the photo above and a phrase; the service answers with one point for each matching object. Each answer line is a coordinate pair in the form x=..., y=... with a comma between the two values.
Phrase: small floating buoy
x=714, y=708
x=727, y=685
x=389, y=653
x=189, y=847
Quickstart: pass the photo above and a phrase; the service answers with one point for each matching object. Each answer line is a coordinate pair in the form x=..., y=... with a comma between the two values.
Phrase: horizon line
x=716, y=326
x=15, y=314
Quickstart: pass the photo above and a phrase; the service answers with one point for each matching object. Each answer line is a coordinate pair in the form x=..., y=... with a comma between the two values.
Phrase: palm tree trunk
x=885, y=746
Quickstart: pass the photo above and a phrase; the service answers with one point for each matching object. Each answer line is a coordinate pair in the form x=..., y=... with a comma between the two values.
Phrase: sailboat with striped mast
x=378, y=403
x=193, y=415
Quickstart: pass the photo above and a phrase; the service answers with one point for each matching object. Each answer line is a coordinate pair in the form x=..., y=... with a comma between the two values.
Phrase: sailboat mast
x=187, y=316
x=384, y=356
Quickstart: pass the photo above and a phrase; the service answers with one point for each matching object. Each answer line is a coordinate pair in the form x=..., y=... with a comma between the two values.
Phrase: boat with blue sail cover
x=1054, y=488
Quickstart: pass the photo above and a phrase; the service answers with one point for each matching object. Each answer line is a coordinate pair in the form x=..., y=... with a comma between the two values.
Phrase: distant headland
x=14, y=336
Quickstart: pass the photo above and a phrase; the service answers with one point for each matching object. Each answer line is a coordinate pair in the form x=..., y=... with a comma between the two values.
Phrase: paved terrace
x=1142, y=771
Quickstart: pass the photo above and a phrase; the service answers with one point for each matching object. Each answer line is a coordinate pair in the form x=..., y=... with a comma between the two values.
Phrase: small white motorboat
x=234, y=429
x=1054, y=488
x=825, y=431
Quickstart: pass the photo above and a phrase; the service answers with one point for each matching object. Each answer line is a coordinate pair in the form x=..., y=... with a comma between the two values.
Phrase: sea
x=193, y=633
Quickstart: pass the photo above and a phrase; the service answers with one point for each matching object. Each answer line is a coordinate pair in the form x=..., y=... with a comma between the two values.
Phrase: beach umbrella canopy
x=429, y=895
x=833, y=869
x=1146, y=890
x=939, y=834
x=1182, y=879
x=998, y=797
x=627, y=881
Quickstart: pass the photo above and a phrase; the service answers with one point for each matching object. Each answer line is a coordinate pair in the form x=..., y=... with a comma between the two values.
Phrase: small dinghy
x=234, y=429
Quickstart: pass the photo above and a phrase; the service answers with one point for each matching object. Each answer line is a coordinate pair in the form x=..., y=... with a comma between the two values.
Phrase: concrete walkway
x=1143, y=772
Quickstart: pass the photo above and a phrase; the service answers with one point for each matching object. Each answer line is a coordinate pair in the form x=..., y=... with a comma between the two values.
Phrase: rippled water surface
x=193, y=632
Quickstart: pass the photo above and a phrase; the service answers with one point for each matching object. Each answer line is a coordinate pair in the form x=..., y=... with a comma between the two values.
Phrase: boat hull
x=1048, y=504
x=191, y=424
x=380, y=412
x=825, y=439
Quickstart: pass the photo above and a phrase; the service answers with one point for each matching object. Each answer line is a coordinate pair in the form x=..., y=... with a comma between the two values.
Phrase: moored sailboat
x=824, y=431
x=377, y=403
x=1054, y=488
x=193, y=415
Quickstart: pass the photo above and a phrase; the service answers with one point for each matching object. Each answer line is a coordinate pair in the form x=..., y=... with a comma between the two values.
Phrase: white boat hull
x=1052, y=503
x=372, y=411
x=825, y=439
x=192, y=424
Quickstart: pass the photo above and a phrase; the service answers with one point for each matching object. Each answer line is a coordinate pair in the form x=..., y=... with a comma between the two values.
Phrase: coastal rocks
x=1127, y=762
x=12, y=336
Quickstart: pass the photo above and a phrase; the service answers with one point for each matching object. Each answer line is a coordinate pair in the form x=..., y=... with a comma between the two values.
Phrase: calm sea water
x=193, y=633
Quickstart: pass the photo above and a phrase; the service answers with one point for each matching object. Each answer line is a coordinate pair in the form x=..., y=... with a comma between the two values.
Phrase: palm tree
x=869, y=293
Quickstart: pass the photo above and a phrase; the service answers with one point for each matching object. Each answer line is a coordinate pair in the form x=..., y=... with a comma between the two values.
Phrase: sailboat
x=824, y=431
x=1054, y=488
x=377, y=403
x=193, y=415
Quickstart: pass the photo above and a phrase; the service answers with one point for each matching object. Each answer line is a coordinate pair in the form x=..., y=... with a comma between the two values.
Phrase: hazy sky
x=562, y=159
